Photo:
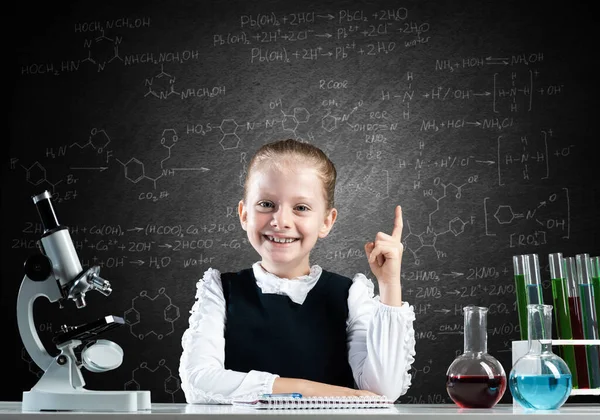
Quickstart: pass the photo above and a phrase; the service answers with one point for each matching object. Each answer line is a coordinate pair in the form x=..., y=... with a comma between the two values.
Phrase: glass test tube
x=596, y=285
x=561, y=311
x=533, y=283
x=576, y=321
x=590, y=322
x=519, y=274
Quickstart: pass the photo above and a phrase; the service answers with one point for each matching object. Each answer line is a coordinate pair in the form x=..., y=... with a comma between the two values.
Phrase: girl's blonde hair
x=295, y=151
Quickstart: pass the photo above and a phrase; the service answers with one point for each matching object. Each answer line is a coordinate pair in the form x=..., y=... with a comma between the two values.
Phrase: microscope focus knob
x=38, y=267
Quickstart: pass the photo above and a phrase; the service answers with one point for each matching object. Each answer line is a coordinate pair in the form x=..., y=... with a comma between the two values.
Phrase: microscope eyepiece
x=46, y=211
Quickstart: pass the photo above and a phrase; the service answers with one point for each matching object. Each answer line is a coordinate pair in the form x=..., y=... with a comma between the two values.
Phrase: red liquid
x=577, y=327
x=475, y=391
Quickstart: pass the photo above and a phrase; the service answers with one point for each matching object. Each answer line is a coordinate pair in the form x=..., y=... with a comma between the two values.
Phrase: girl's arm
x=381, y=341
x=204, y=379
x=381, y=334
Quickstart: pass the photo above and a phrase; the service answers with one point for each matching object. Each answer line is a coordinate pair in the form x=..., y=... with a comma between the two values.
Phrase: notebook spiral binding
x=324, y=402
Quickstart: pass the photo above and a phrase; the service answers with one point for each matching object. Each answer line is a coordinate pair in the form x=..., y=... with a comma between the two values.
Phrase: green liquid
x=563, y=325
x=521, y=304
x=596, y=287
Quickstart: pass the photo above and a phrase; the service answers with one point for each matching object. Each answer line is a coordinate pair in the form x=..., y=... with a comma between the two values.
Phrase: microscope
x=56, y=274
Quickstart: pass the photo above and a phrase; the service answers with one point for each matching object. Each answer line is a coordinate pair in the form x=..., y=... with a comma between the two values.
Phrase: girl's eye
x=302, y=208
x=265, y=204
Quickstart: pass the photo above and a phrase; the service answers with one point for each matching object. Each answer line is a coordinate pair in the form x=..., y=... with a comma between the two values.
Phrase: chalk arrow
x=453, y=274
x=100, y=168
x=191, y=169
x=493, y=60
x=445, y=311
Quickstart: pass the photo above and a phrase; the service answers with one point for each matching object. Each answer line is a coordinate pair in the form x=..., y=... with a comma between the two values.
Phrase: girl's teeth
x=282, y=240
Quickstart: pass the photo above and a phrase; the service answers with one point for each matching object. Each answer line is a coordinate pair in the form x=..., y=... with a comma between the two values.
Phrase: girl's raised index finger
x=397, y=231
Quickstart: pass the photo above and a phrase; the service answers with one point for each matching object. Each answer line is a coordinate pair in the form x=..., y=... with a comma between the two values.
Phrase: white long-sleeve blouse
x=381, y=340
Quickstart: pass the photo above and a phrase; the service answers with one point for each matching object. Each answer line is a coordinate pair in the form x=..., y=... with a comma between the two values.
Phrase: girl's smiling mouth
x=281, y=241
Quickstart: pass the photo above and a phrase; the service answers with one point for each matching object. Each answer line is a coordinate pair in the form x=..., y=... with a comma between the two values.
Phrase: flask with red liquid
x=475, y=379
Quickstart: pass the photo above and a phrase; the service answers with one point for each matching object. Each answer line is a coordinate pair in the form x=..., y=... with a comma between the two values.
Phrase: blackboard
x=478, y=117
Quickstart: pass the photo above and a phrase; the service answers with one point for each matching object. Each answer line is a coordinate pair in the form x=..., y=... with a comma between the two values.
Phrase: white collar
x=296, y=289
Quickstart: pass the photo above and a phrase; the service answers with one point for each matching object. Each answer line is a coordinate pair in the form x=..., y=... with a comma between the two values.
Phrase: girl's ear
x=243, y=213
x=328, y=223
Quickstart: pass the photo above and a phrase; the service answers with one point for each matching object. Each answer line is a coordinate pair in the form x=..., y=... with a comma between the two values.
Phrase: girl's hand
x=385, y=254
x=336, y=391
x=316, y=389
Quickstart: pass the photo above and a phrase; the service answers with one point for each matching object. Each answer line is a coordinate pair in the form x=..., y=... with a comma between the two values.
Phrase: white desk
x=225, y=412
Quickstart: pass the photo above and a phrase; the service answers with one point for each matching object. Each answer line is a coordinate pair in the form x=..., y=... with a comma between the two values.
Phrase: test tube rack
x=520, y=347
x=585, y=391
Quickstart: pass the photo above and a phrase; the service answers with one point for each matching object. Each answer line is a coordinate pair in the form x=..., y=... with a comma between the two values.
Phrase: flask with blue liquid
x=540, y=380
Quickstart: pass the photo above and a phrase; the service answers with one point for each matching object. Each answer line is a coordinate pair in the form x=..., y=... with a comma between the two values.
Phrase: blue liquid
x=540, y=392
x=534, y=294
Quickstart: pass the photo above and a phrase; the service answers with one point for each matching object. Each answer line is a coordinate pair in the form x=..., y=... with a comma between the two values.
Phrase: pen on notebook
x=289, y=395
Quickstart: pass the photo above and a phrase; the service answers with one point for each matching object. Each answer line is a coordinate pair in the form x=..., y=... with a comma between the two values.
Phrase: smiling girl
x=283, y=325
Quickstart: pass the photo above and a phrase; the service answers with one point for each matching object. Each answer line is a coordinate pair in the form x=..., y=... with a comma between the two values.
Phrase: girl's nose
x=281, y=219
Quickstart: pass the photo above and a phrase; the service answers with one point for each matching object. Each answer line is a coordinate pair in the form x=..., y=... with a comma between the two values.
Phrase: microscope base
x=86, y=400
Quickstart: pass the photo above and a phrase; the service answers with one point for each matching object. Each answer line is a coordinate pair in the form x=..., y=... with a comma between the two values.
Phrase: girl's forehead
x=285, y=169
x=302, y=179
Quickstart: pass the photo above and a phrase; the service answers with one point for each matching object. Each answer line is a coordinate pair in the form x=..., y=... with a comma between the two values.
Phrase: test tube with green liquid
x=528, y=286
x=519, y=273
x=596, y=284
x=561, y=311
x=576, y=321
x=590, y=322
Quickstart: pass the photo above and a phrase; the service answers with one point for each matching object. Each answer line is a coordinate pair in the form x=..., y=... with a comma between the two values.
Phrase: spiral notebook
x=295, y=403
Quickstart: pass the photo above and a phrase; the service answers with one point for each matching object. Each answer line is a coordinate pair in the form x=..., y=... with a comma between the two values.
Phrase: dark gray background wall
x=478, y=117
